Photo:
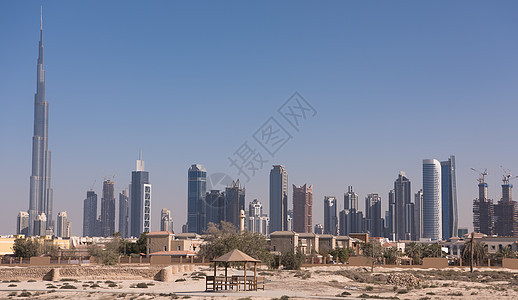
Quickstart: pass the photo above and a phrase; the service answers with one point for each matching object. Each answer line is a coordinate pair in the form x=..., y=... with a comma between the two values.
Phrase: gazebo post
x=245, y=275
x=255, y=275
x=214, y=288
x=226, y=266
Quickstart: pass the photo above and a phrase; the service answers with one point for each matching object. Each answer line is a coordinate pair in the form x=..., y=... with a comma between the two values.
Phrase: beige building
x=284, y=241
x=159, y=241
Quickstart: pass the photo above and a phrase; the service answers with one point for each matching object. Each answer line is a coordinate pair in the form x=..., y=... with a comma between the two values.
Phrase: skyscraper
x=350, y=199
x=483, y=209
x=351, y=219
x=108, y=209
x=40, y=196
x=22, y=223
x=330, y=216
x=432, y=214
x=166, y=220
x=403, y=196
x=196, y=189
x=214, y=207
x=63, y=225
x=391, y=223
x=90, y=214
x=40, y=223
x=140, y=200
x=418, y=215
x=257, y=221
x=506, y=211
x=303, y=208
x=450, y=215
x=278, y=198
x=235, y=202
x=124, y=213
x=373, y=215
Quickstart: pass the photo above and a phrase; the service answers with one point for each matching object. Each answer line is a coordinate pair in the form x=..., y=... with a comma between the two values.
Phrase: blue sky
x=189, y=82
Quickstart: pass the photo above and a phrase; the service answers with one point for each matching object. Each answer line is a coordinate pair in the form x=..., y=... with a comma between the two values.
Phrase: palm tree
x=415, y=251
x=506, y=252
x=473, y=251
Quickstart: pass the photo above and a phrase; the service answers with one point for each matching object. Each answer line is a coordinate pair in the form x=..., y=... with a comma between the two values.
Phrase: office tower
x=432, y=213
x=196, y=189
x=166, y=220
x=257, y=221
x=330, y=216
x=418, y=215
x=290, y=220
x=350, y=199
x=278, y=199
x=40, y=195
x=483, y=209
x=214, y=207
x=235, y=202
x=303, y=208
x=319, y=229
x=108, y=209
x=124, y=213
x=140, y=200
x=391, y=224
x=40, y=225
x=373, y=215
x=506, y=211
x=450, y=215
x=90, y=214
x=403, y=197
x=63, y=225
x=22, y=223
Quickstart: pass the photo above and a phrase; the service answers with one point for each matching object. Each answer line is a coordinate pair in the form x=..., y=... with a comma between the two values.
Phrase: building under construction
x=483, y=209
x=506, y=212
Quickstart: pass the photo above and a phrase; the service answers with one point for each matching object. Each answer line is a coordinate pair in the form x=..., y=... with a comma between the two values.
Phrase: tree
x=292, y=261
x=416, y=252
x=506, y=252
x=433, y=250
x=473, y=251
x=26, y=248
x=127, y=247
x=223, y=237
x=341, y=254
x=107, y=256
x=374, y=251
x=391, y=255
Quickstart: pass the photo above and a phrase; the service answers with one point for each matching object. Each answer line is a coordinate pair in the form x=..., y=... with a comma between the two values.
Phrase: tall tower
x=90, y=214
x=124, y=213
x=418, y=215
x=166, y=220
x=303, y=208
x=140, y=200
x=450, y=215
x=483, y=208
x=330, y=216
x=40, y=196
x=63, y=225
x=22, y=223
x=278, y=199
x=108, y=209
x=506, y=212
x=196, y=189
x=373, y=215
x=234, y=203
x=432, y=214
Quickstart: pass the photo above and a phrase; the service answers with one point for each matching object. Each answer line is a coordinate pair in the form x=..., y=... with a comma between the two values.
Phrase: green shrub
x=69, y=279
x=369, y=288
x=141, y=285
x=12, y=294
x=12, y=285
x=112, y=285
x=24, y=293
x=180, y=279
x=52, y=286
x=31, y=280
x=68, y=287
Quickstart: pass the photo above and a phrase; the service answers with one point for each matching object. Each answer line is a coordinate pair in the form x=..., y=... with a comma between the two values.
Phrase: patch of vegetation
x=52, y=286
x=14, y=280
x=430, y=293
x=367, y=296
x=344, y=294
x=68, y=287
x=141, y=285
x=12, y=285
x=180, y=279
x=95, y=285
x=150, y=284
x=108, y=281
x=284, y=297
x=112, y=285
x=403, y=291
x=69, y=279
x=24, y=293
x=303, y=274
x=12, y=294
x=369, y=288
x=455, y=294
x=31, y=280
x=425, y=298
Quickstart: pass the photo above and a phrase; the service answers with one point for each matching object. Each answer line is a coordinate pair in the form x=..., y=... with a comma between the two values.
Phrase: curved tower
x=432, y=214
x=40, y=197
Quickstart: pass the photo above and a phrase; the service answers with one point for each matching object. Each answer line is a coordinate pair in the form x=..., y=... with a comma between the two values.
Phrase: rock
x=165, y=274
x=403, y=279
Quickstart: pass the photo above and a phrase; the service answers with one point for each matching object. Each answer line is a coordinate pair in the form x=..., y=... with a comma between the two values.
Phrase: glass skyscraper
x=278, y=199
x=140, y=200
x=330, y=216
x=432, y=213
x=450, y=216
x=90, y=214
x=196, y=189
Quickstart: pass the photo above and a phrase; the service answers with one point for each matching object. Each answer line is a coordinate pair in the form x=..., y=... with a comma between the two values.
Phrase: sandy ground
x=311, y=283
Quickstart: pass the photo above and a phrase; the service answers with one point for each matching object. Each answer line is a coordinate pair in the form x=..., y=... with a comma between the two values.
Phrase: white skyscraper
x=63, y=225
x=432, y=212
x=22, y=223
x=166, y=220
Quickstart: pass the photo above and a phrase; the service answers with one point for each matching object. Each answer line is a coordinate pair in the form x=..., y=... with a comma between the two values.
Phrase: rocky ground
x=325, y=282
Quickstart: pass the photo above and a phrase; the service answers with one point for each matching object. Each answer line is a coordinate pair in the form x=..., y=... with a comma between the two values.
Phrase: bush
x=52, y=287
x=344, y=294
x=180, y=279
x=292, y=261
x=12, y=294
x=68, y=287
x=404, y=291
x=95, y=285
x=112, y=285
x=24, y=293
x=69, y=279
x=141, y=285
x=369, y=288
x=31, y=280
x=12, y=285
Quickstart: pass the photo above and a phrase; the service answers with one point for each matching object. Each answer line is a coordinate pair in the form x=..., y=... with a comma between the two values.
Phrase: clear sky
x=392, y=82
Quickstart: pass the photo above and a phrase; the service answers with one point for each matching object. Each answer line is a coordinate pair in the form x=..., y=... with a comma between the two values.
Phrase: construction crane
x=482, y=175
x=507, y=175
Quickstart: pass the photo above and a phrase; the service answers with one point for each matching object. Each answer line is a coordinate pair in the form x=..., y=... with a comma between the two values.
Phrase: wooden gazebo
x=234, y=256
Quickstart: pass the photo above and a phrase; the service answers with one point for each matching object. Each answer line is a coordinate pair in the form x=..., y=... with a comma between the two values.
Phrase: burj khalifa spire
x=40, y=197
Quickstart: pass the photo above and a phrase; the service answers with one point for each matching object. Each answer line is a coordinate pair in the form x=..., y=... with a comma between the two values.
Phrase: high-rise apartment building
x=506, y=211
x=40, y=225
x=278, y=199
x=235, y=202
x=40, y=195
x=63, y=225
x=196, y=189
x=166, y=220
x=418, y=215
x=450, y=215
x=432, y=213
x=330, y=216
x=257, y=221
x=350, y=219
x=373, y=215
x=124, y=213
x=108, y=209
x=483, y=209
x=214, y=207
x=303, y=208
x=90, y=214
x=140, y=200
x=22, y=223
x=351, y=199
x=403, y=214
x=391, y=222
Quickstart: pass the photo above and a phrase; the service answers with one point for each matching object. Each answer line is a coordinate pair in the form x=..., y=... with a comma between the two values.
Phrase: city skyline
x=406, y=74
